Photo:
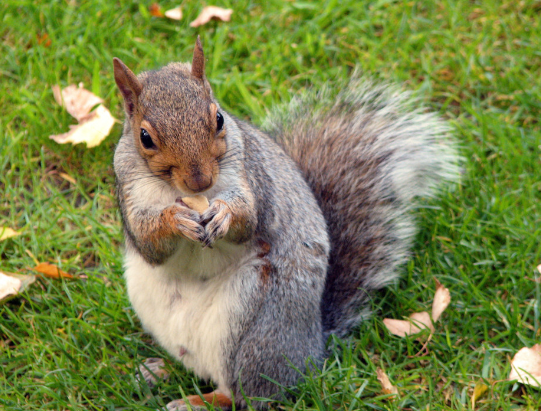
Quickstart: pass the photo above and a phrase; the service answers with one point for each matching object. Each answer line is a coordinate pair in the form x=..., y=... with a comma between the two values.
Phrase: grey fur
x=287, y=325
x=367, y=152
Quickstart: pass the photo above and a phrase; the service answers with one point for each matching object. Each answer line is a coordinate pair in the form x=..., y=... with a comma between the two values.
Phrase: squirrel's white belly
x=186, y=303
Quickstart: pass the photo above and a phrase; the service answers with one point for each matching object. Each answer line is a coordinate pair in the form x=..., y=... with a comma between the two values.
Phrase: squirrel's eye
x=146, y=140
x=219, y=121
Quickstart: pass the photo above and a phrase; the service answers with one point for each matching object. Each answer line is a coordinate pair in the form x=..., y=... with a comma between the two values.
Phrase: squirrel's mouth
x=198, y=183
x=192, y=181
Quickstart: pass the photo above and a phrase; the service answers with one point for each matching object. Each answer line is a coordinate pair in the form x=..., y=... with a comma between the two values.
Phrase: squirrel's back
x=367, y=154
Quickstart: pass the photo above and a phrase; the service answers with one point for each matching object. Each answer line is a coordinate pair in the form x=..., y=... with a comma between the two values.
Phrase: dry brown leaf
x=397, y=327
x=76, y=100
x=212, y=13
x=442, y=298
x=416, y=323
x=155, y=10
x=422, y=321
x=174, y=14
x=8, y=285
x=387, y=387
x=6, y=232
x=91, y=130
x=93, y=126
x=52, y=271
x=526, y=366
x=198, y=203
x=12, y=284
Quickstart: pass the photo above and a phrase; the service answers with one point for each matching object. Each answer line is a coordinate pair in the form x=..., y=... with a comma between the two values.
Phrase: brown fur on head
x=174, y=105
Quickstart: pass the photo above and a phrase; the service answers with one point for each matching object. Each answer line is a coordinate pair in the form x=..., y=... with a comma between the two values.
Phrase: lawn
x=74, y=345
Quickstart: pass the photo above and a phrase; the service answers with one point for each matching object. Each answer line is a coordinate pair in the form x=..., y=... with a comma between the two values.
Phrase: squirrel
x=301, y=226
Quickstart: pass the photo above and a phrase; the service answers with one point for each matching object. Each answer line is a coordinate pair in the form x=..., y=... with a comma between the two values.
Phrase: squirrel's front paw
x=217, y=220
x=185, y=222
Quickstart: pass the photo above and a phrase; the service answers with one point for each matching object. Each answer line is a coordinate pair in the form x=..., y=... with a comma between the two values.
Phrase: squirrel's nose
x=198, y=182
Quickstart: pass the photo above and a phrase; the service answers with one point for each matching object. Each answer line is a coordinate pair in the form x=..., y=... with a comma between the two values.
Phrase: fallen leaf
x=76, y=100
x=43, y=39
x=526, y=366
x=480, y=389
x=91, y=130
x=442, y=298
x=174, y=14
x=212, y=13
x=8, y=285
x=12, y=284
x=155, y=10
x=6, y=232
x=51, y=271
x=387, y=387
x=422, y=320
x=93, y=126
x=416, y=323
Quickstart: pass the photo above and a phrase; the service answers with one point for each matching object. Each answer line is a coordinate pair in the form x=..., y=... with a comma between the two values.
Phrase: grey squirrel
x=300, y=228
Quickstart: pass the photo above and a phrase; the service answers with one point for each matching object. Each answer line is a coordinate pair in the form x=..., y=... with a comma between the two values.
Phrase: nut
x=198, y=203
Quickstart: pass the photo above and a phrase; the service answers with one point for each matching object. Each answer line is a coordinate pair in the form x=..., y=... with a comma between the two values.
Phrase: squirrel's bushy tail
x=367, y=153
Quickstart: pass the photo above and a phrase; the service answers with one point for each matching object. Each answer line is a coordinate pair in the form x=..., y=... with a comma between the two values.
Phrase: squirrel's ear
x=128, y=84
x=198, y=63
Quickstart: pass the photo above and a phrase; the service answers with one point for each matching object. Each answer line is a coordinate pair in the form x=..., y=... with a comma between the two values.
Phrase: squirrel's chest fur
x=187, y=303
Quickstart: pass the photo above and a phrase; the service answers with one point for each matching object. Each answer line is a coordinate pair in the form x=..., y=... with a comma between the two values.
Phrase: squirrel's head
x=176, y=124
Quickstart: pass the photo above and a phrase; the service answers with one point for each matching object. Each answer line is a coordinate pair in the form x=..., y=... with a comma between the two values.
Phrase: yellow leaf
x=480, y=389
x=6, y=232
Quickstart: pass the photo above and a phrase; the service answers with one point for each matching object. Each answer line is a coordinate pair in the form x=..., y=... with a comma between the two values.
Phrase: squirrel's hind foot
x=217, y=399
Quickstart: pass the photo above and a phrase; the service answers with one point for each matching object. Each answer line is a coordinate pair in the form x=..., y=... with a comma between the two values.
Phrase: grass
x=75, y=344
